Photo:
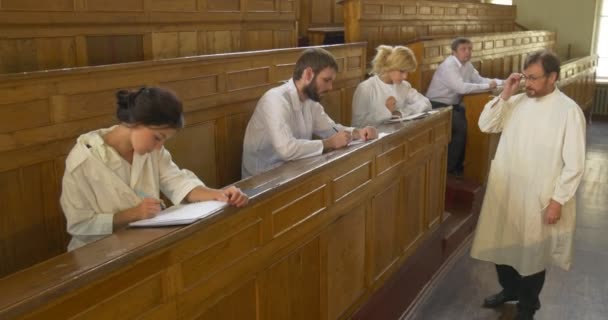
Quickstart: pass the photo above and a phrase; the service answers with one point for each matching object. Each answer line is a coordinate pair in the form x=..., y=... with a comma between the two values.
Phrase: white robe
x=369, y=101
x=98, y=183
x=540, y=156
x=281, y=129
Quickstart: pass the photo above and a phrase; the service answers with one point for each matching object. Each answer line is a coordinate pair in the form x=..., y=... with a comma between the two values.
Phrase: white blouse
x=369, y=101
x=99, y=183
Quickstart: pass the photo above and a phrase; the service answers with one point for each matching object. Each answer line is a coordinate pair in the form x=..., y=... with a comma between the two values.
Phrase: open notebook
x=181, y=214
x=411, y=117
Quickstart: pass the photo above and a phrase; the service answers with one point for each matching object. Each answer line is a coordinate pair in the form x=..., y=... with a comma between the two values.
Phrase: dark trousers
x=457, y=146
x=525, y=288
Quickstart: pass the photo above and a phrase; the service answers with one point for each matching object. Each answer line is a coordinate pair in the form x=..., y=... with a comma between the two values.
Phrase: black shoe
x=524, y=314
x=498, y=300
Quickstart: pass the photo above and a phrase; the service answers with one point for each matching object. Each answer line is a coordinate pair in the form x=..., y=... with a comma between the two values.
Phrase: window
x=505, y=2
x=602, y=42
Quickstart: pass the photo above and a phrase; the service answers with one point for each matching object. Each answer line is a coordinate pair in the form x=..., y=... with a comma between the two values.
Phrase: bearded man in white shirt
x=528, y=216
x=286, y=117
x=454, y=78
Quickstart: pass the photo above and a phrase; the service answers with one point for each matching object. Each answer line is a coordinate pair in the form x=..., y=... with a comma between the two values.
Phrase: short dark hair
x=149, y=106
x=547, y=59
x=458, y=41
x=315, y=58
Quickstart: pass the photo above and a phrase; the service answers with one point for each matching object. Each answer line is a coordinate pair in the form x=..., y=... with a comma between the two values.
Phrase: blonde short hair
x=393, y=58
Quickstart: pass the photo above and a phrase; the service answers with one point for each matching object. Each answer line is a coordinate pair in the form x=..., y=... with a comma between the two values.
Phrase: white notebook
x=181, y=214
x=411, y=117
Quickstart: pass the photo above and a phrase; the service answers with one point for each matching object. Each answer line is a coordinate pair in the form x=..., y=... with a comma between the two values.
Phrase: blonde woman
x=386, y=93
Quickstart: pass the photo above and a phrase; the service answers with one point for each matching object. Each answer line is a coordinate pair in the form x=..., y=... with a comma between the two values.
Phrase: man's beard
x=311, y=91
x=531, y=93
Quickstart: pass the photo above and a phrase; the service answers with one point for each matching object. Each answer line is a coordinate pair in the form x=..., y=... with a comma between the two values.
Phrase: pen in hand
x=144, y=195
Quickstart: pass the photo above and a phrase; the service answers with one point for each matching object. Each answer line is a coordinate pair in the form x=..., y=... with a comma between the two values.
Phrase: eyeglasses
x=532, y=78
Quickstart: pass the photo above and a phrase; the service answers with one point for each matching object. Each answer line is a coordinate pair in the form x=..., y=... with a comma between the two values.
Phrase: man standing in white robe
x=527, y=220
x=286, y=117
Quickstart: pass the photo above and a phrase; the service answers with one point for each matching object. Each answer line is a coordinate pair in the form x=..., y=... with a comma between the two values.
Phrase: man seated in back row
x=454, y=78
x=286, y=118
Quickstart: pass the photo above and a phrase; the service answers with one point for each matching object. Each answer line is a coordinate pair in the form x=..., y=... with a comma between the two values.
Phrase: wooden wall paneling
x=102, y=50
x=240, y=304
x=319, y=14
x=97, y=32
x=290, y=288
x=414, y=203
x=33, y=5
x=204, y=166
x=223, y=5
x=344, y=266
x=115, y=5
x=383, y=231
x=171, y=5
x=332, y=103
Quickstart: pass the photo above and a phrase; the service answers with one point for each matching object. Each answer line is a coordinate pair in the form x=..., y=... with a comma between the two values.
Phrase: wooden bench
x=51, y=34
x=320, y=237
x=396, y=22
x=41, y=114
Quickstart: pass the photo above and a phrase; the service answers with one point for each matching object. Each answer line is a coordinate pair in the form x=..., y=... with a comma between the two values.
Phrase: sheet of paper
x=181, y=214
x=411, y=117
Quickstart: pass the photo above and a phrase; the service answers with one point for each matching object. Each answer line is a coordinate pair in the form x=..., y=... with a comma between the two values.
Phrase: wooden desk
x=42, y=113
x=319, y=237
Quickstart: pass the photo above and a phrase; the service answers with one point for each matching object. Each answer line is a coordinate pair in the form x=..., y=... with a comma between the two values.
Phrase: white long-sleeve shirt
x=281, y=129
x=99, y=183
x=540, y=157
x=369, y=101
x=453, y=79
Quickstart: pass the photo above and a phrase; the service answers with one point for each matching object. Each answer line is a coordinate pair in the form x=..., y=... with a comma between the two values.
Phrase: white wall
x=572, y=20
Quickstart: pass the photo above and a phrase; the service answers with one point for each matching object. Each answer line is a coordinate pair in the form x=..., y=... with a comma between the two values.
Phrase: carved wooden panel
x=385, y=209
x=345, y=262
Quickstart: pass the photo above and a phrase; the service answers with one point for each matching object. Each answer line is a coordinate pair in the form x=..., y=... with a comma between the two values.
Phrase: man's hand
x=553, y=212
x=366, y=133
x=493, y=84
x=339, y=140
x=511, y=86
x=391, y=104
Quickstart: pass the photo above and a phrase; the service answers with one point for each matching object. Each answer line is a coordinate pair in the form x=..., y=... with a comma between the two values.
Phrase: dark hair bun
x=149, y=106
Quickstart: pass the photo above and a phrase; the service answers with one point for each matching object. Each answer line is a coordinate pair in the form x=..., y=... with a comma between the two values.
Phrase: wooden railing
x=52, y=34
x=319, y=237
x=396, y=22
x=41, y=114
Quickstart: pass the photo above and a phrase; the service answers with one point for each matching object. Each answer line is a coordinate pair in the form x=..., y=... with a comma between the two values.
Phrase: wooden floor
x=581, y=293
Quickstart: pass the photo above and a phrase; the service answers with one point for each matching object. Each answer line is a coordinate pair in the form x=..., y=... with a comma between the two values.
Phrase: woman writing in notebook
x=114, y=176
x=386, y=94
